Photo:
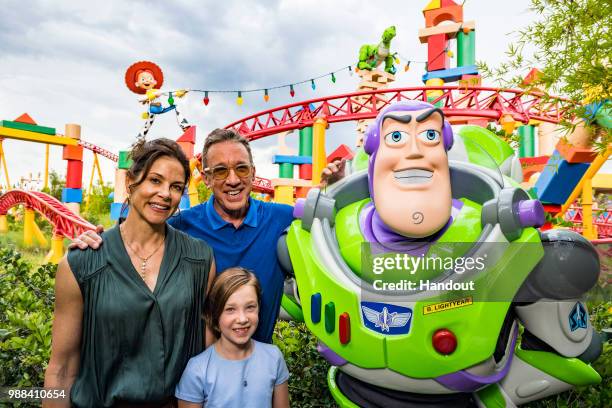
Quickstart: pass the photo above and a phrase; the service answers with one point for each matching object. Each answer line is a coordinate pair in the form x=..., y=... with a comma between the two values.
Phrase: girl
x=236, y=371
x=128, y=316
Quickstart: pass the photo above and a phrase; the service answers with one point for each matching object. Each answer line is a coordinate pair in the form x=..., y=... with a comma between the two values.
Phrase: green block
x=305, y=148
x=526, y=141
x=330, y=317
x=570, y=370
x=125, y=161
x=466, y=49
x=26, y=126
x=285, y=170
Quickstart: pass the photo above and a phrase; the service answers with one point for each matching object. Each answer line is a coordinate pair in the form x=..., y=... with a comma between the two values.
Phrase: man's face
x=145, y=80
x=232, y=193
x=411, y=179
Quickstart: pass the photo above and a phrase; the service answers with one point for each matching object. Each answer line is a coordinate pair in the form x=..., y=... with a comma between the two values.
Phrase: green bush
x=26, y=311
x=308, y=370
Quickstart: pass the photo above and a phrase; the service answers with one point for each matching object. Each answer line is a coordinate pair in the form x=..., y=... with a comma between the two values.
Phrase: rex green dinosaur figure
x=371, y=56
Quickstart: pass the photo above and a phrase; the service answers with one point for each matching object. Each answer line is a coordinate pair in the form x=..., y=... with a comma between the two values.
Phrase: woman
x=128, y=316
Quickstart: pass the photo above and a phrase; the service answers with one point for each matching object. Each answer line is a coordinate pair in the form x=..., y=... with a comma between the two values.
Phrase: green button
x=330, y=317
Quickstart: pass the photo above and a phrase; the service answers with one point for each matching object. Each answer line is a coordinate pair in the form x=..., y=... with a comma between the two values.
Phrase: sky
x=64, y=62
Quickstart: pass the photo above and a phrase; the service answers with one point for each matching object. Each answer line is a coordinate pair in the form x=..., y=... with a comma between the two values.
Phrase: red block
x=437, y=58
x=74, y=174
x=344, y=327
x=25, y=118
x=342, y=152
x=436, y=16
x=305, y=171
x=187, y=148
x=72, y=153
x=188, y=136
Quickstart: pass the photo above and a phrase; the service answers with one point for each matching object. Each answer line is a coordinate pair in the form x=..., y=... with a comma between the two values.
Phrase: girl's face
x=159, y=194
x=240, y=316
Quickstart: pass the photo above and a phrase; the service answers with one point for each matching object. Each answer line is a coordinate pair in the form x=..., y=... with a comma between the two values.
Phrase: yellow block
x=19, y=134
x=28, y=228
x=283, y=194
x=602, y=181
x=291, y=182
x=319, y=158
x=433, y=4
x=434, y=82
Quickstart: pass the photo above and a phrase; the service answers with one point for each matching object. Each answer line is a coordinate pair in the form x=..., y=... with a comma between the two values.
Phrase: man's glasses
x=222, y=172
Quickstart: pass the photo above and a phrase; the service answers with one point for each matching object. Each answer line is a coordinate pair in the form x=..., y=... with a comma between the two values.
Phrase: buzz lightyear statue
x=446, y=335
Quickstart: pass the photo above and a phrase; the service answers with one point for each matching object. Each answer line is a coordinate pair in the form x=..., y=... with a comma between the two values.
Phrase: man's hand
x=333, y=172
x=88, y=239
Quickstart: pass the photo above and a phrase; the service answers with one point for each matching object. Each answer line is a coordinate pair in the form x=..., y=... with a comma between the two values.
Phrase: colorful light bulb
x=312, y=84
x=291, y=91
x=206, y=100
x=239, y=99
x=266, y=96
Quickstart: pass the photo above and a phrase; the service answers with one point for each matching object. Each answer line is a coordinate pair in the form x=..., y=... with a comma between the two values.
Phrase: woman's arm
x=209, y=336
x=280, y=396
x=66, y=335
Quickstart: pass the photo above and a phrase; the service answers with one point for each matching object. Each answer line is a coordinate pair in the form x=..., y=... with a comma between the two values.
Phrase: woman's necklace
x=143, y=265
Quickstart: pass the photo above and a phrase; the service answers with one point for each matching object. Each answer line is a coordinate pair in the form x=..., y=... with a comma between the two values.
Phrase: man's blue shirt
x=252, y=246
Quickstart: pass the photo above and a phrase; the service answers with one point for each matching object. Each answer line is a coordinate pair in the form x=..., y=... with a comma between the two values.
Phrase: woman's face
x=159, y=194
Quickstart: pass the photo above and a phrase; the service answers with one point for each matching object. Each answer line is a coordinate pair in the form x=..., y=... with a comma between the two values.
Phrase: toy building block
x=342, y=152
x=28, y=127
x=436, y=16
x=184, y=203
x=290, y=182
x=72, y=153
x=72, y=195
x=25, y=118
x=125, y=162
x=115, y=211
x=532, y=165
x=74, y=174
x=120, y=188
x=283, y=194
x=285, y=170
x=451, y=75
x=558, y=179
x=437, y=57
x=450, y=30
x=278, y=159
x=306, y=171
x=532, y=77
x=466, y=48
x=188, y=136
x=573, y=154
x=72, y=131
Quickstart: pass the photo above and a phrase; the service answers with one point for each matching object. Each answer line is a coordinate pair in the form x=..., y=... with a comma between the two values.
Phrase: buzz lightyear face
x=145, y=80
x=412, y=191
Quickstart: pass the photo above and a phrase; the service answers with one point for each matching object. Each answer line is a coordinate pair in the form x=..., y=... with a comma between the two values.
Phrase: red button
x=344, y=325
x=444, y=341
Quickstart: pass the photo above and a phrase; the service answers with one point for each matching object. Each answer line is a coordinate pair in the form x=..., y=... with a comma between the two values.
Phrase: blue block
x=453, y=74
x=558, y=179
x=315, y=307
x=72, y=195
x=115, y=211
x=184, y=204
x=279, y=159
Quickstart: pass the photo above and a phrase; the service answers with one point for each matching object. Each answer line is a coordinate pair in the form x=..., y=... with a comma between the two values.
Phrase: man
x=241, y=230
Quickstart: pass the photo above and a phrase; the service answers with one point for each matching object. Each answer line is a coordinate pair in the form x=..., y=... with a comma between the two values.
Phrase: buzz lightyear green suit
x=412, y=345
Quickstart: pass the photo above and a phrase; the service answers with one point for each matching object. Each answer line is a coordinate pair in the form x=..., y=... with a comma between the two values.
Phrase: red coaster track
x=64, y=221
x=458, y=103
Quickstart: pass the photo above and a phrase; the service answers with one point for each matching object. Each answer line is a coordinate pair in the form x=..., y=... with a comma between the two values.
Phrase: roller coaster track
x=64, y=221
x=98, y=150
x=458, y=103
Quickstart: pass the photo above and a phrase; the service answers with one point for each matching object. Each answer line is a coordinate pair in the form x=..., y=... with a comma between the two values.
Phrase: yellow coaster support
x=585, y=186
x=57, y=249
x=46, y=180
x=3, y=160
x=31, y=231
x=3, y=224
x=96, y=166
x=319, y=158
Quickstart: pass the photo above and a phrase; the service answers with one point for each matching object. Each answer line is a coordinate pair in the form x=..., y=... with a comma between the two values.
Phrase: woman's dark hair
x=145, y=153
x=224, y=286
